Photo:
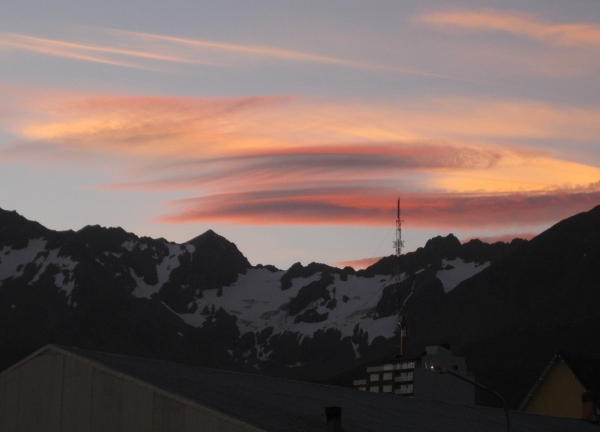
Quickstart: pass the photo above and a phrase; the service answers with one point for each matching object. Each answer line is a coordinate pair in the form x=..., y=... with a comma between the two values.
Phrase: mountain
x=505, y=306
x=90, y=289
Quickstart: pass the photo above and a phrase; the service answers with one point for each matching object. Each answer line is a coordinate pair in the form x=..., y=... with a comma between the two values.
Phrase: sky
x=291, y=128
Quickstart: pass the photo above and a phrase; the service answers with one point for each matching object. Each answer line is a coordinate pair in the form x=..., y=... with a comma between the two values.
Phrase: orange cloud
x=374, y=164
x=516, y=23
x=178, y=127
x=150, y=127
x=357, y=264
x=265, y=160
x=372, y=207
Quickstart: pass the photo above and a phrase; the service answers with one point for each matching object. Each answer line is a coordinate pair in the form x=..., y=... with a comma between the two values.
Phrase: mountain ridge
x=202, y=302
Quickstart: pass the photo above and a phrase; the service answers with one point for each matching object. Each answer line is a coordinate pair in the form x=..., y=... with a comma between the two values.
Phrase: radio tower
x=398, y=245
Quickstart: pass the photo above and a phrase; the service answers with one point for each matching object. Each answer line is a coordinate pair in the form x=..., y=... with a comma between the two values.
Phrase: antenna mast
x=398, y=245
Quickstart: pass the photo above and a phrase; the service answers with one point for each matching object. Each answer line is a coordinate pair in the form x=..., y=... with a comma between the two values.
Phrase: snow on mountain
x=259, y=303
x=52, y=257
x=454, y=271
x=13, y=261
x=163, y=267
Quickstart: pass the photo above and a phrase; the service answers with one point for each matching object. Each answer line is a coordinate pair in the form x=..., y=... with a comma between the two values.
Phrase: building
x=409, y=377
x=60, y=389
x=568, y=387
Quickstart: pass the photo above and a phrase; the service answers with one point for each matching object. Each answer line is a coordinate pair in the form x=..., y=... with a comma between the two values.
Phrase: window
x=374, y=389
x=362, y=388
x=404, y=389
x=405, y=376
x=387, y=389
x=387, y=376
x=374, y=377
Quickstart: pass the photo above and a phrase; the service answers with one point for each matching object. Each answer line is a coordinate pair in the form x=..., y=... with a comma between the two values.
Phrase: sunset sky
x=292, y=127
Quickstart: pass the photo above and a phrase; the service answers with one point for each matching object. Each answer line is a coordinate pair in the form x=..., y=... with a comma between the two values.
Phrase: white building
x=409, y=377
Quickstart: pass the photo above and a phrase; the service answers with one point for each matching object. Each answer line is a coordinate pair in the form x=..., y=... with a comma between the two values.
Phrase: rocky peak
x=439, y=247
x=15, y=230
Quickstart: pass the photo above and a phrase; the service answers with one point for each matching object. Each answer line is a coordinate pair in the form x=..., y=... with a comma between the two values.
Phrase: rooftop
x=274, y=404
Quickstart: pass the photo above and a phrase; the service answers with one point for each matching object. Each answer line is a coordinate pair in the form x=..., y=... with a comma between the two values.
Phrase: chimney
x=334, y=419
x=589, y=404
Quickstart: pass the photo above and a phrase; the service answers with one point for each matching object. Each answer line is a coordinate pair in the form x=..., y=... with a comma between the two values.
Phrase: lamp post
x=438, y=369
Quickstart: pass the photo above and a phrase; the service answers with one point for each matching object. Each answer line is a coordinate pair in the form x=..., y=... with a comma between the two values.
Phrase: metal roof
x=274, y=404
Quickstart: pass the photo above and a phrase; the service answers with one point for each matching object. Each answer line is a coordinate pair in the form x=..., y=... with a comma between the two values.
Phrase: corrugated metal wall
x=31, y=396
x=53, y=392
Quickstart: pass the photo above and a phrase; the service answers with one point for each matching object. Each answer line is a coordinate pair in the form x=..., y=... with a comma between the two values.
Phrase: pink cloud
x=190, y=128
x=313, y=165
x=370, y=207
x=516, y=23
x=280, y=160
x=357, y=264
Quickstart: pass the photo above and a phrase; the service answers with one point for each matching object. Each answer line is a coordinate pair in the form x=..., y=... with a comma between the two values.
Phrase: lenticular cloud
x=281, y=160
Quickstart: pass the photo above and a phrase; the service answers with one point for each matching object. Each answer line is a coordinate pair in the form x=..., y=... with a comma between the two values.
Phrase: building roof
x=274, y=404
x=585, y=369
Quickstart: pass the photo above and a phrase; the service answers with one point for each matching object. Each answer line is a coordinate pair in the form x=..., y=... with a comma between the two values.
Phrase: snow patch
x=66, y=284
x=462, y=271
x=13, y=261
x=129, y=245
x=163, y=271
x=265, y=305
x=62, y=262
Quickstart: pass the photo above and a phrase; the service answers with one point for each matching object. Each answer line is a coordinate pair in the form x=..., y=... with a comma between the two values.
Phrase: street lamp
x=439, y=369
